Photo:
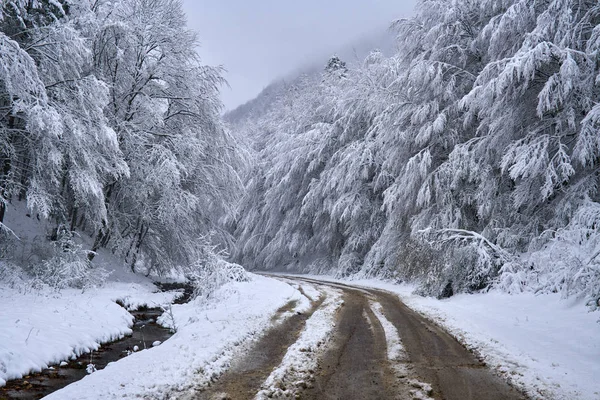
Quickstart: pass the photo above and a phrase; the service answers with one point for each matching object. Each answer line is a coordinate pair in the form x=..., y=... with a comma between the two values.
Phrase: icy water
x=145, y=332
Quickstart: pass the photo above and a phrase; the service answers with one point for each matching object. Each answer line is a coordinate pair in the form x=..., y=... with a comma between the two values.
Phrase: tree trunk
x=82, y=222
x=104, y=232
x=73, y=219
x=138, y=245
x=133, y=240
x=3, y=179
x=100, y=238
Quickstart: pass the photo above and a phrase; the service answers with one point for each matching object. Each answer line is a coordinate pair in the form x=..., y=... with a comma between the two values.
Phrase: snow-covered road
x=280, y=337
x=354, y=343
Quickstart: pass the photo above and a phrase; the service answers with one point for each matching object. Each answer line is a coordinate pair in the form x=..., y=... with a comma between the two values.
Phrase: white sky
x=260, y=40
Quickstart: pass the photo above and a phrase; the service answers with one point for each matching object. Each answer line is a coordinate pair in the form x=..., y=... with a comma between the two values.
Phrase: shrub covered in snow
x=569, y=263
x=65, y=264
x=212, y=273
x=58, y=264
x=471, y=262
x=14, y=277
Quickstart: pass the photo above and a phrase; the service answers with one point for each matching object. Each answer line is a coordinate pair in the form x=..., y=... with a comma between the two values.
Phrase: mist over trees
x=468, y=159
x=110, y=126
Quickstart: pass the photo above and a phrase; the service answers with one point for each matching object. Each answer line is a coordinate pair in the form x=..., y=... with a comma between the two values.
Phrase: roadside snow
x=543, y=344
x=306, y=294
x=300, y=360
x=208, y=337
x=41, y=329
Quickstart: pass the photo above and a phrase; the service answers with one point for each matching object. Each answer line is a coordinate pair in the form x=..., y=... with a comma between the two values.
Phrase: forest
x=110, y=129
x=468, y=160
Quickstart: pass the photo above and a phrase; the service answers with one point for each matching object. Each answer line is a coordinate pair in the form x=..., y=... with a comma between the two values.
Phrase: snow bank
x=40, y=329
x=544, y=344
x=207, y=338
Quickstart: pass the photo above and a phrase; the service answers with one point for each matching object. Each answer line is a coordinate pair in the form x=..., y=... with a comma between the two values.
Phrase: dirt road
x=355, y=362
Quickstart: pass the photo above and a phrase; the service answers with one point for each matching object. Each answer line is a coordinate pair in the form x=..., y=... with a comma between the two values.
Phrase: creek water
x=145, y=332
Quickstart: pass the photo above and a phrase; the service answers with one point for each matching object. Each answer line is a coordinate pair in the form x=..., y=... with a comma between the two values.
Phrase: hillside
x=466, y=160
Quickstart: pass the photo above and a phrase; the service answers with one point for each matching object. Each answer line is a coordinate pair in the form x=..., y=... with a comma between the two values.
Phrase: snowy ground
x=544, y=344
x=41, y=326
x=40, y=329
x=208, y=337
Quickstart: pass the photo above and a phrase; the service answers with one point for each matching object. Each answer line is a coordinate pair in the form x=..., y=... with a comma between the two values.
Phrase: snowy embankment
x=41, y=329
x=543, y=344
x=207, y=338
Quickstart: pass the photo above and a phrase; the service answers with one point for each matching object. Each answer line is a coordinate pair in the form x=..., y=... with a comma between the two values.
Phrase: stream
x=145, y=332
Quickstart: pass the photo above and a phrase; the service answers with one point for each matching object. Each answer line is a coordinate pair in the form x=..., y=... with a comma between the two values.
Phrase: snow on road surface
x=395, y=351
x=306, y=293
x=206, y=341
x=543, y=344
x=397, y=355
x=301, y=357
x=40, y=329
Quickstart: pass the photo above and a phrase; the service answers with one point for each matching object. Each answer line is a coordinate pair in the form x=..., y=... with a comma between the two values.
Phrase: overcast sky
x=260, y=40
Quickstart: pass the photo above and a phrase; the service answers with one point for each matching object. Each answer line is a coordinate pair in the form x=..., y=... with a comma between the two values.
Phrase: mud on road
x=245, y=377
x=355, y=364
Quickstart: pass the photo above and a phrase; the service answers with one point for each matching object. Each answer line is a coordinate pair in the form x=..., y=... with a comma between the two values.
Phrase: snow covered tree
x=336, y=66
x=448, y=162
x=110, y=125
x=53, y=111
x=164, y=109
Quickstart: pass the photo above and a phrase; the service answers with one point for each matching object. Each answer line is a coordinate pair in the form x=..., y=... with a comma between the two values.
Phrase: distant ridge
x=353, y=53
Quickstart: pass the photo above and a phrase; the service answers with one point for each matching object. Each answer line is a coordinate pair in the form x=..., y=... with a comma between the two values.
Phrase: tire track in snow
x=395, y=350
x=398, y=358
x=245, y=376
x=433, y=354
x=300, y=361
x=355, y=366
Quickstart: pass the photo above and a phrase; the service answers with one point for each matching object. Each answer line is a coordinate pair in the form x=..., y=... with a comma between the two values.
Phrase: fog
x=260, y=40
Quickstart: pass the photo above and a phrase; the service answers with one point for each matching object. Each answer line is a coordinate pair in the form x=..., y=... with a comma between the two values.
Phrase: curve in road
x=355, y=364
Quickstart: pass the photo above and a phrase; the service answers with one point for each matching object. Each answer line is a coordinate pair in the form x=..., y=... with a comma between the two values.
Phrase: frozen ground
x=207, y=339
x=544, y=344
